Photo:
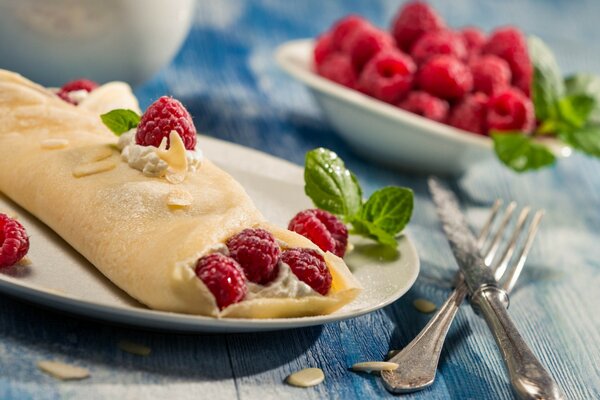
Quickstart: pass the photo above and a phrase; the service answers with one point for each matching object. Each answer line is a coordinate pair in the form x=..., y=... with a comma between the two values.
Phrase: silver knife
x=528, y=377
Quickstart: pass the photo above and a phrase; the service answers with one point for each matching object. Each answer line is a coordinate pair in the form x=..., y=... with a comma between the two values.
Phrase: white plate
x=59, y=277
x=383, y=132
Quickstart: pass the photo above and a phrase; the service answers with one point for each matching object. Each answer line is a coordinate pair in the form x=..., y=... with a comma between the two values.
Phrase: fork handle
x=528, y=377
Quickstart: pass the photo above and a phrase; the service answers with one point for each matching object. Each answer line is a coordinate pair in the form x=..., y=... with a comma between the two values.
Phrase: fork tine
x=483, y=233
x=499, y=267
x=490, y=253
x=517, y=266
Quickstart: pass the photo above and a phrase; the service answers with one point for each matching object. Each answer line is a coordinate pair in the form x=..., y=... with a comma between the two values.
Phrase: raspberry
x=163, y=116
x=78, y=84
x=474, y=39
x=309, y=266
x=342, y=30
x=509, y=44
x=338, y=68
x=257, y=253
x=437, y=43
x=14, y=242
x=388, y=76
x=426, y=105
x=323, y=229
x=470, y=114
x=365, y=43
x=510, y=110
x=323, y=49
x=490, y=74
x=412, y=21
x=224, y=278
x=445, y=77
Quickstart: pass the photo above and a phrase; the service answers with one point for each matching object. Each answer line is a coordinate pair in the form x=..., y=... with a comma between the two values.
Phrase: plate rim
x=145, y=318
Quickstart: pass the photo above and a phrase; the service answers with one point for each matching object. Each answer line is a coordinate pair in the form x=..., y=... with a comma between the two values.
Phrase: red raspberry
x=426, y=105
x=437, y=43
x=388, y=76
x=257, y=252
x=14, y=242
x=323, y=49
x=365, y=43
x=342, y=30
x=224, y=278
x=412, y=21
x=490, y=74
x=309, y=266
x=78, y=84
x=510, y=44
x=510, y=110
x=445, y=77
x=323, y=229
x=470, y=114
x=474, y=39
x=338, y=68
x=163, y=116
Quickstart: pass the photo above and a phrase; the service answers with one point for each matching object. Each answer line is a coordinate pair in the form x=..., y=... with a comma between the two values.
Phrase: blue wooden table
x=226, y=75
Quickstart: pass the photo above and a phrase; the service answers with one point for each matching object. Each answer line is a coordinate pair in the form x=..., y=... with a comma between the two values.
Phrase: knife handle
x=528, y=377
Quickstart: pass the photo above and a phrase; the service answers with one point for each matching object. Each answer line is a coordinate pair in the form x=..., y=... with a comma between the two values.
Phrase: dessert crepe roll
x=145, y=227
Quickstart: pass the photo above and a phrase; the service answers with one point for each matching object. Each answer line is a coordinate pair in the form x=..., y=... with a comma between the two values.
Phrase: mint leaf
x=574, y=110
x=120, y=120
x=389, y=209
x=586, y=84
x=366, y=228
x=330, y=185
x=548, y=85
x=520, y=152
x=586, y=139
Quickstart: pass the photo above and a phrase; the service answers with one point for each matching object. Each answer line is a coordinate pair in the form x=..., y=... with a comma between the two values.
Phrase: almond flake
x=179, y=198
x=424, y=306
x=174, y=157
x=93, y=168
x=134, y=348
x=54, y=143
x=306, y=377
x=24, y=261
x=100, y=154
x=63, y=371
x=374, y=366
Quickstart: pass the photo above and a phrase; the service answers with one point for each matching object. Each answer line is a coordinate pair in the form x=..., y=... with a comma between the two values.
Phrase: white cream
x=77, y=96
x=286, y=285
x=146, y=159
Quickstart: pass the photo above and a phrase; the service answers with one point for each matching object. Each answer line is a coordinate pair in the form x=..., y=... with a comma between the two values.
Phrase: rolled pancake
x=118, y=218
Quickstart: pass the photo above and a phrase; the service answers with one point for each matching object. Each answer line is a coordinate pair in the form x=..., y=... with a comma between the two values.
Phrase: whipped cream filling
x=146, y=158
x=285, y=285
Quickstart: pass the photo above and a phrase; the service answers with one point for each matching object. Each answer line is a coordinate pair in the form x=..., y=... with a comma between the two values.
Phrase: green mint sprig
x=120, y=120
x=568, y=109
x=332, y=187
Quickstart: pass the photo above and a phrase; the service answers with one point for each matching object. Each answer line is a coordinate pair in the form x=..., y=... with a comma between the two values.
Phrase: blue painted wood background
x=226, y=75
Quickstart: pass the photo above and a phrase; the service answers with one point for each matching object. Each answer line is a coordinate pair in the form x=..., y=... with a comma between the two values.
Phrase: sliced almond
x=134, y=348
x=424, y=306
x=306, y=377
x=54, y=143
x=179, y=198
x=63, y=371
x=175, y=157
x=101, y=153
x=24, y=261
x=374, y=366
x=93, y=168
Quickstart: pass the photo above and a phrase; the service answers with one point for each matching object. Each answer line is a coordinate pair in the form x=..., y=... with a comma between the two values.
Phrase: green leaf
x=366, y=228
x=548, y=86
x=574, y=110
x=520, y=152
x=120, y=120
x=330, y=185
x=389, y=209
x=586, y=139
x=585, y=84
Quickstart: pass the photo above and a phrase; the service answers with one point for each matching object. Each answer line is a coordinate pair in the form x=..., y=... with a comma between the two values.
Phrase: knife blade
x=528, y=377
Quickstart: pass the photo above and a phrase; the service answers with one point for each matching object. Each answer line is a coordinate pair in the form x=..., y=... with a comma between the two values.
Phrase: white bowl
x=383, y=132
x=52, y=42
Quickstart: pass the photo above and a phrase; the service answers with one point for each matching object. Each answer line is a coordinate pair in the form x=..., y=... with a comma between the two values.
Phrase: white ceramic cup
x=55, y=41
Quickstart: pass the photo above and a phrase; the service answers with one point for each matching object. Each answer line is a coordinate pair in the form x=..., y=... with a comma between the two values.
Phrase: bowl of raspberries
x=419, y=95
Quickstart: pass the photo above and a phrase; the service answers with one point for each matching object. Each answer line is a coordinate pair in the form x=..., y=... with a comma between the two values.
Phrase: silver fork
x=419, y=359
